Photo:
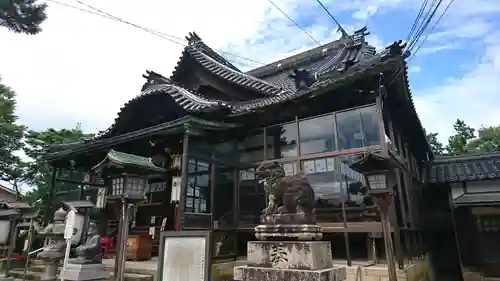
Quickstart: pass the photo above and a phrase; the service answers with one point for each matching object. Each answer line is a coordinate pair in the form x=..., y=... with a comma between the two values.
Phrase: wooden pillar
x=397, y=236
x=213, y=184
x=236, y=207
x=344, y=220
x=380, y=117
x=50, y=198
x=399, y=188
x=184, y=175
x=384, y=201
x=409, y=245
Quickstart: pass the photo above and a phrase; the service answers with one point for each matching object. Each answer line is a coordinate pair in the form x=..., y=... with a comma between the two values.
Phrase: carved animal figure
x=287, y=194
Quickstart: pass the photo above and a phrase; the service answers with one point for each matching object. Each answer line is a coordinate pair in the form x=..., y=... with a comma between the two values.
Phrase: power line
x=163, y=35
x=425, y=23
x=417, y=19
x=294, y=22
x=423, y=41
x=434, y=26
x=335, y=20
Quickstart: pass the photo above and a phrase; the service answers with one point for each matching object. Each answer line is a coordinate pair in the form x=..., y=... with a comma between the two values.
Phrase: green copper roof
x=126, y=159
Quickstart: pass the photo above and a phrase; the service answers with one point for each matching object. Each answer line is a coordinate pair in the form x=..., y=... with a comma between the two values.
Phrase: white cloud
x=473, y=97
x=83, y=68
x=414, y=69
x=365, y=13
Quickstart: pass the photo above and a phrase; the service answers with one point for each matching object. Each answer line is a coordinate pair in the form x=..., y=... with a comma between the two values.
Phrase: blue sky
x=83, y=67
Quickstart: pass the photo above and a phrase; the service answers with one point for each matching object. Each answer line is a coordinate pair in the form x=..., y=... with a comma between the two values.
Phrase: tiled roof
x=465, y=168
x=335, y=56
x=478, y=199
x=234, y=76
x=330, y=64
x=274, y=79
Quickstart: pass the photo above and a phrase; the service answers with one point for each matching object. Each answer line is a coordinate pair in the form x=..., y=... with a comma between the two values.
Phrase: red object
x=107, y=243
x=21, y=258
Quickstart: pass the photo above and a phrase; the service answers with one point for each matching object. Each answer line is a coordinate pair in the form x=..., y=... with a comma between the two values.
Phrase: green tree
x=488, y=139
x=459, y=143
x=436, y=146
x=11, y=136
x=22, y=16
x=39, y=175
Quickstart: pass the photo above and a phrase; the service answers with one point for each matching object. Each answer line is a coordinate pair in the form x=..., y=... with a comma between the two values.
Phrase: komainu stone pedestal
x=289, y=261
x=84, y=272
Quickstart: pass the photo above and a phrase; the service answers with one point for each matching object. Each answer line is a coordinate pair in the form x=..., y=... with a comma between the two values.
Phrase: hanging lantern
x=101, y=198
x=175, y=195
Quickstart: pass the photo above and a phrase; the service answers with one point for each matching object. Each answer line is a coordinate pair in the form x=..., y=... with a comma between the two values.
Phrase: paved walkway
x=136, y=266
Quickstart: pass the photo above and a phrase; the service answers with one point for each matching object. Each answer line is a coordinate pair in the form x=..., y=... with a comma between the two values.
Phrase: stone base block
x=249, y=273
x=276, y=232
x=305, y=255
x=83, y=272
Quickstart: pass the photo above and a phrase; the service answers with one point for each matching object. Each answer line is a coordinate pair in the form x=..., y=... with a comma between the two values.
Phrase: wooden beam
x=184, y=175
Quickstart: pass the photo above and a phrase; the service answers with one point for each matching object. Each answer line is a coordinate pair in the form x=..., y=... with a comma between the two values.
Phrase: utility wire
x=335, y=20
x=161, y=33
x=434, y=26
x=423, y=41
x=417, y=19
x=425, y=23
x=294, y=22
x=420, y=23
x=169, y=37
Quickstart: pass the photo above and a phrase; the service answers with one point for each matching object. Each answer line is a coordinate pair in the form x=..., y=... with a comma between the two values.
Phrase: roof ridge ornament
x=303, y=78
x=154, y=78
x=193, y=38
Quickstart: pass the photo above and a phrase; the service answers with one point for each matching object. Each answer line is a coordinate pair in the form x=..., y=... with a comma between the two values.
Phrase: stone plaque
x=184, y=256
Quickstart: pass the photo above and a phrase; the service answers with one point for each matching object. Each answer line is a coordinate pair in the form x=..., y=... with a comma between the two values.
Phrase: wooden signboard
x=184, y=256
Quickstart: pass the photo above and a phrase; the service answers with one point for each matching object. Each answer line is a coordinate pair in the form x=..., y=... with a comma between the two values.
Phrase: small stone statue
x=90, y=252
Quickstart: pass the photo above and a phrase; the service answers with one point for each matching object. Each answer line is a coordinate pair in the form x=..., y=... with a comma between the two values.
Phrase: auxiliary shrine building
x=209, y=125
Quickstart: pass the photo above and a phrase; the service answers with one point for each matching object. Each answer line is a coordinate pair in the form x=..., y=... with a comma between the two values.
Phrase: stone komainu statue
x=286, y=194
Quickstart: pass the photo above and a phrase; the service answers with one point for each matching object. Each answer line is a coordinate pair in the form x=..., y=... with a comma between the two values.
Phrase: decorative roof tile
x=126, y=159
x=232, y=75
x=465, y=168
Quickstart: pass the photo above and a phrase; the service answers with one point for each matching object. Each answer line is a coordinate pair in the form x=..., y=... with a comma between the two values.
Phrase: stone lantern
x=11, y=213
x=380, y=177
x=127, y=177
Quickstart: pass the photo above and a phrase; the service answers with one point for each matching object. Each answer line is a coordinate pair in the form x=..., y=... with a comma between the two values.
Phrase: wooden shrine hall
x=209, y=125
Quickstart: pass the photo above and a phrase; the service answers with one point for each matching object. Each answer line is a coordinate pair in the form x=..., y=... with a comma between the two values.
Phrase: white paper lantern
x=4, y=231
x=175, y=195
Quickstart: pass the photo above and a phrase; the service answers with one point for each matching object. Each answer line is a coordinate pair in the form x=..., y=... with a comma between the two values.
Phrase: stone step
x=37, y=276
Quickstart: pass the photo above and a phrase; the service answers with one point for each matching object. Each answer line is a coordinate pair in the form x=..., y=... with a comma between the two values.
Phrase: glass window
x=317, y=135
x=357, y=193
x=251, y=148
x=198, y=187
x=358, y=128
x=282, y=141
x=325, y=181
x=224, y=191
